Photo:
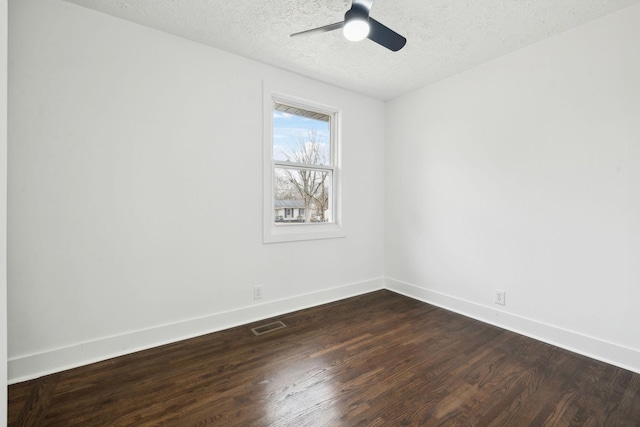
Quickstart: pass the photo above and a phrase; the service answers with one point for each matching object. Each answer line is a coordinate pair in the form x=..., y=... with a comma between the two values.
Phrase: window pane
x=302, y=195
x=301, y=136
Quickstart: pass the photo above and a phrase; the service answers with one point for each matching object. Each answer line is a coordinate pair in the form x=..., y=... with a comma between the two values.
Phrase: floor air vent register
x=269, y=327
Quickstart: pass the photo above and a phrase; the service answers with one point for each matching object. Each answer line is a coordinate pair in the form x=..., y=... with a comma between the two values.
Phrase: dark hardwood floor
x=379, y=359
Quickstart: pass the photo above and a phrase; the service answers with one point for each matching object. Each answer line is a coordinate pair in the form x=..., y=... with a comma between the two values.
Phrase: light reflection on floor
x=307, y=387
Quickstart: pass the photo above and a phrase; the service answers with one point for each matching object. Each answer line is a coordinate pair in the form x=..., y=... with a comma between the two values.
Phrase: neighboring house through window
x=289, y=210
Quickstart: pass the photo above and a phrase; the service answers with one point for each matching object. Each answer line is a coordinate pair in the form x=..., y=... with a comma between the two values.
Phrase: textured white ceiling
x=445, y=37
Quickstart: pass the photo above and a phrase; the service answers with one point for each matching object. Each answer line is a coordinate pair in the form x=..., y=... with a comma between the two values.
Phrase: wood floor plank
x=37, y=404
x=379, y=359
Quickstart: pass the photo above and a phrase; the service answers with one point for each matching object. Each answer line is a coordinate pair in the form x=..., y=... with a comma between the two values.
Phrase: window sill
x=274, y=233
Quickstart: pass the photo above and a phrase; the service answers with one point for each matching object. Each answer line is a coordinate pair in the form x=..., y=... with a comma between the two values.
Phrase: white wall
x=3, y=211
x=524, y=175
x=135, y=202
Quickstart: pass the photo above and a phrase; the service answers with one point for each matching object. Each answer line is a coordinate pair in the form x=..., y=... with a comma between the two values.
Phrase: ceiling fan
x=358, y=25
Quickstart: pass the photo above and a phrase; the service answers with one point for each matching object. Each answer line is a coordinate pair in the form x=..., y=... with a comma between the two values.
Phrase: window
x=301, y=172
x=302, y=162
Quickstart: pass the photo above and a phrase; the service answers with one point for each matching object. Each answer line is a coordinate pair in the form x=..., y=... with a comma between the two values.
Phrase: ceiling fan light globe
x=356, y=29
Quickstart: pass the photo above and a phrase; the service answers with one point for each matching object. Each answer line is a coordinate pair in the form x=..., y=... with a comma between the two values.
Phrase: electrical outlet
x=257, y=292
x=500, y=297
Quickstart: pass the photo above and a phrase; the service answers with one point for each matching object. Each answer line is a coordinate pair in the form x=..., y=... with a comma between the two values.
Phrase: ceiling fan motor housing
x=357, y=11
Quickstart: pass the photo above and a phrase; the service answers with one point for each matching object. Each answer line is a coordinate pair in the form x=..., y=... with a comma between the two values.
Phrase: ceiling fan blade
x=319, y=30
x=385, y=36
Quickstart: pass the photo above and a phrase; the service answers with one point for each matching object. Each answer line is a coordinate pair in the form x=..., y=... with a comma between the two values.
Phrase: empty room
x=321, y=213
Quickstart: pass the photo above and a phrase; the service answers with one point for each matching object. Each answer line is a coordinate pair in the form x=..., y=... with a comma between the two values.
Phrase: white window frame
x=281, y=232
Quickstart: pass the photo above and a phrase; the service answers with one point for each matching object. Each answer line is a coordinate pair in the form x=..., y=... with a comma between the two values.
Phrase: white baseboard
x=36, y=365
x=594, y=348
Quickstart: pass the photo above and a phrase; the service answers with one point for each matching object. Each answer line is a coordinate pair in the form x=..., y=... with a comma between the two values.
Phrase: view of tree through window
x=302, y=162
